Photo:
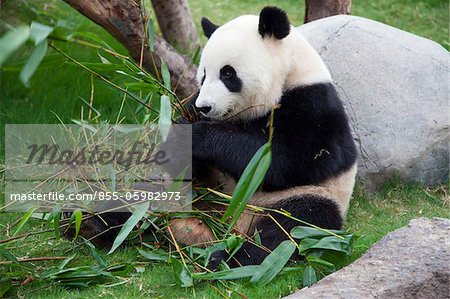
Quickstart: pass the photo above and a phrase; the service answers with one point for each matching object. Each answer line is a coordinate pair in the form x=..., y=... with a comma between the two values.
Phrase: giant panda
x=249, y=66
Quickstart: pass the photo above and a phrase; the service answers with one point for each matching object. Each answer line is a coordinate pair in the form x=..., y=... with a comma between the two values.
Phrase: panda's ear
x=208, y=27
x=273, y=22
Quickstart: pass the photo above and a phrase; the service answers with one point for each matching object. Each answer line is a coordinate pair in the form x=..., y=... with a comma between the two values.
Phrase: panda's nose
x=204, y=110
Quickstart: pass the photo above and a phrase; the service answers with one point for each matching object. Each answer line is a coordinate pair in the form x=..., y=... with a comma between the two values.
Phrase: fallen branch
x=33, y=259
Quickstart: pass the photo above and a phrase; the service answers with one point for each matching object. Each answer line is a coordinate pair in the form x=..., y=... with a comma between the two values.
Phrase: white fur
x=267, y=67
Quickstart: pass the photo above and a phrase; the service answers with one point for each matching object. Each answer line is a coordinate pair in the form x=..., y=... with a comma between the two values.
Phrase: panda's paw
x=199, y=128
x=216, y=258
x=101, y=230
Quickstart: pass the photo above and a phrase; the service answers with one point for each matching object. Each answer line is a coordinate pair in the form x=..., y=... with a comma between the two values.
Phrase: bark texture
x=123, y=20
x=176, y=24
x=318, y=9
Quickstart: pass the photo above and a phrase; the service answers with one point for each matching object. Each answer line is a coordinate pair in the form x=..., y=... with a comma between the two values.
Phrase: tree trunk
x=175, y=22
x=318, y=9
x=123, y=20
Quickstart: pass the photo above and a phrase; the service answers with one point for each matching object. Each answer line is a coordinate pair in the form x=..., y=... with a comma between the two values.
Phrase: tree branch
x=175, y=22
x=123, y=20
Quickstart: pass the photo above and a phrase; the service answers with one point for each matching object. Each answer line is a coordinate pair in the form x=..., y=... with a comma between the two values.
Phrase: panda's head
x=248, y=62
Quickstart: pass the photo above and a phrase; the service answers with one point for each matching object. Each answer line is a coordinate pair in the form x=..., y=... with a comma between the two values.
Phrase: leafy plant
x=84, y=276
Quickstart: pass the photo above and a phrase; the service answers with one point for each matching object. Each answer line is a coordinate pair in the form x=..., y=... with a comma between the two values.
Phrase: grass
x=369, y=217
x=54, y=91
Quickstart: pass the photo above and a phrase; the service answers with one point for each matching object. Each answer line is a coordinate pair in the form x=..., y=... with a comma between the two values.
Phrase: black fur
x=208, y=27
x=229, y=77
x=313, y=209
x=204, y=109
x=204, y=77
x=273, y=22
x=311, y=143
x=101, y=229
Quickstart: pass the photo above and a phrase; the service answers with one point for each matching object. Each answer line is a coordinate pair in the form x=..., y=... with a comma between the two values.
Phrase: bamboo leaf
x=24, y=220
x=249, y=182
x=139, y=212
x=39, y=32
x=89, y=105
x=100, y=260
x=257, y=237
x=155, y=255
x=182, y=274
x=78, y=218
x=56, y=218
x=309, y=276
x=244, y=181
x=165, y=74
x=327, y=243
x=33, y=62
x=165, y=117
x=103, y=67
x=88, y=35
x=317, y=260
x=274, y=263
x=12, y=40
x=208, y=251
x=234, y=273
x=66, y=261
x=142, y=86
x=196, y=56
x=151, y=35
x=302, y=232
x=103, y=59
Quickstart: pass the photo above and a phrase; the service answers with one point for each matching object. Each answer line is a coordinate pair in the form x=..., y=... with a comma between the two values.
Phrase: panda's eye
x=230, y=79
x=227, y=72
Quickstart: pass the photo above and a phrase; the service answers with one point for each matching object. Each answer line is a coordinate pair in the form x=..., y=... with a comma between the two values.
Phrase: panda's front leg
x=227, y=146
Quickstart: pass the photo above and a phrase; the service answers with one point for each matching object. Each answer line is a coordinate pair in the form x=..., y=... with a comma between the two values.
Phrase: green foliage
x=39, y=32
x=24, y=220
x=139, y=212
x=274, y=263
x=249, y=181
x=151, y=35
x=85, y=276
x=11, y=41
x=234, y=273
x=370, y=217
x=183, y=276
x=165, y=116
x=33, y=62
x=309, y=276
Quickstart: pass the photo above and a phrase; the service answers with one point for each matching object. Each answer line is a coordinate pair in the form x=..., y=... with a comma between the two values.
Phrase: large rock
x=395, y=87
x=412, y=262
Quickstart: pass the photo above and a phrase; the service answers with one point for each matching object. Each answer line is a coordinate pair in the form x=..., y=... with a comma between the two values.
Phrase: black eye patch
x=229, y=77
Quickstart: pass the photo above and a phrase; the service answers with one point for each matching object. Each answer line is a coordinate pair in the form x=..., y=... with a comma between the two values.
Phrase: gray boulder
x=395, y=88
x=412, y=262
